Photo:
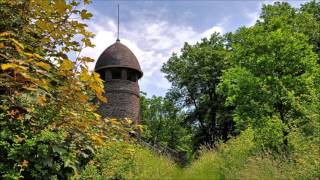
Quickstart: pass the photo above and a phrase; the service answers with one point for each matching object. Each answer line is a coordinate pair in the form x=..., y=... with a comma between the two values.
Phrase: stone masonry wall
x=123, y=100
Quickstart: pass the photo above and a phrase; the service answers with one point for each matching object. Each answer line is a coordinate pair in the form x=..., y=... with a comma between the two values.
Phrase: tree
x=47, y=118
x=304, y=20
x=311, y=25
x=163, y=124
x=271, y=82
x=195, y=75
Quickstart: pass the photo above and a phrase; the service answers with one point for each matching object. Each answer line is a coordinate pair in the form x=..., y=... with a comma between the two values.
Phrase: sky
x=153, y=30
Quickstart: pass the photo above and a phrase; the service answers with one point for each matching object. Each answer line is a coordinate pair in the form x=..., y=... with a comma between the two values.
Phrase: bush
x=48, y=124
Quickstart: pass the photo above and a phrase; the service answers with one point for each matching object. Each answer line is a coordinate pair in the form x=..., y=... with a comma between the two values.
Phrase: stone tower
x=120, y=70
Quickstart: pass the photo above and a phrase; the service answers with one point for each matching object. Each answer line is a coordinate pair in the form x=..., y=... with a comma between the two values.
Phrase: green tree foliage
x=195, y=75
x=304, y=20
x=163, y=124
x=48, y=126
x=272, y=82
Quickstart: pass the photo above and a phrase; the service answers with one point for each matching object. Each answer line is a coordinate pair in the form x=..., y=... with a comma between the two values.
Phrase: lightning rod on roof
x=118, y=24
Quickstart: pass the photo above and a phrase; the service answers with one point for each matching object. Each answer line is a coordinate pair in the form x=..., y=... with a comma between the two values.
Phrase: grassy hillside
x=241, y=159
x=119, y=160
x=238, y=159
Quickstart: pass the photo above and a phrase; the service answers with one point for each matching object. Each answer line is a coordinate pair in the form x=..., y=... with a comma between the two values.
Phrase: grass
x=240, y=159
x=120, y=160
x=236, y=159
x=149, y=165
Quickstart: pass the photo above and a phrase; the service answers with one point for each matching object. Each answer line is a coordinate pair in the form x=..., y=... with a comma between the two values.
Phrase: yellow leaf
x=140, y=128
x=7, y=66
x=41, y=100
x=5, y=34
x=114, y=121
x=30, y=110
x=19, y=139
x=43, y=65
x=28, y=54
x=61, y=5
x=96, y=77
x=37, y=56
x=1, y=45
x=25, y=75
x=102, y=98
x=86, y=59
x=12, y=65
x=44, y=84
x=84, y=75
x=86, y=1
x=83, y=98
x=41, y=24
x=84, y=14
x=97, y=116
x=95, y=87
x=18, y=49
x=83, y=126
x=30, y=88
x=19, y=68
x=66, y=65
x=17, y=43
x=99, y=91
x=97, y=139
x=74, y=114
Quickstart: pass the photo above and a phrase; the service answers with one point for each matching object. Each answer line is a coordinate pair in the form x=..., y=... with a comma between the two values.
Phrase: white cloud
x=151, y=40
x=212, y=30
x=251, y=16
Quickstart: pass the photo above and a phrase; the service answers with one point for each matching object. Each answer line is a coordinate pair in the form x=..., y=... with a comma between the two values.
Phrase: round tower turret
x=120, y=70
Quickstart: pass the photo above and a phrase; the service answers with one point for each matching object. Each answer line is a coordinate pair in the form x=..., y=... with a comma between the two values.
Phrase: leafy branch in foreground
x=49, y=127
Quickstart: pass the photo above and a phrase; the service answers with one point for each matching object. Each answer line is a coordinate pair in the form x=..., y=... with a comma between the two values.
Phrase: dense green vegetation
x=239, y=158
x=244, y=105
x=261, y=82
x=163, y=125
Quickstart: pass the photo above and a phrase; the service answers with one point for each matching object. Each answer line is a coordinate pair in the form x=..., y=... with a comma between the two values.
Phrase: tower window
x=116, y=73
x=131, y=75
x=102, y=74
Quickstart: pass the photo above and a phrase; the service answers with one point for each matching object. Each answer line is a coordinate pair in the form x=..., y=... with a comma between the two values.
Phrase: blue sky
x=153, y=30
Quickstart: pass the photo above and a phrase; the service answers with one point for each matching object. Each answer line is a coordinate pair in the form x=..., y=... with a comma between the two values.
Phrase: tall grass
x=120, y=160
x=149, y=165
x=239, y=158
x=222, y=163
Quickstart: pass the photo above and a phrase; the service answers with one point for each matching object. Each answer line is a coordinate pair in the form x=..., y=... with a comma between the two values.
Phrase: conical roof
x=118, y=55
